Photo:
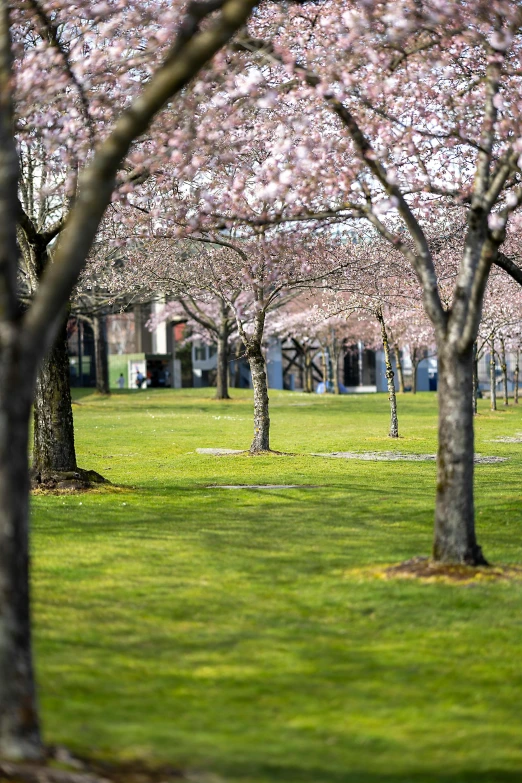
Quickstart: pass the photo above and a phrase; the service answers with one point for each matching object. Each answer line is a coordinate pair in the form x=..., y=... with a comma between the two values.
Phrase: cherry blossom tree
x=250, y=275
x=406, y=115
x=170, y=45
x=499, y=329
x=375, y=286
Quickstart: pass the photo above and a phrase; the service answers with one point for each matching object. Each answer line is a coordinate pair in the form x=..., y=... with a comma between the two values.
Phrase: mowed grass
x=235, y=635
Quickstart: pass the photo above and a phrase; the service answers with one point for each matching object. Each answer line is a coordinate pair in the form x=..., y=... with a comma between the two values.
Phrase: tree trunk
x=398, y=364
x=53, y=449
x=222, y=365
x=394, y=422
x=302, y=367
x=19, y=725
x=309, y=371
x=492, y=375
x=475, y=380
x=100, y=355
x=324, y=363
x=237, y=366
x=335, y=370
x=455, y=540
x=515, y=377
x=257, y=364
x=503, y=367
x=414, y=367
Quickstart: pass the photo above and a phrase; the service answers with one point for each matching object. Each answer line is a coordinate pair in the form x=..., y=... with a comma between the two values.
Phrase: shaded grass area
x=233, y=633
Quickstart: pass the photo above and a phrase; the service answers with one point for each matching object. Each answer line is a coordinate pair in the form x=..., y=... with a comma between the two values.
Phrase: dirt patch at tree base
x=426, y=570
x=78, y=480
x=246, y=452
x=221, y=452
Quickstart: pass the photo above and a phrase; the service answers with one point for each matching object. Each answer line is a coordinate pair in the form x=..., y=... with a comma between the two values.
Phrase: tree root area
x=268, y=453
x=427, y=570
x=244, y=452
x=78, y=480
x=61, y=767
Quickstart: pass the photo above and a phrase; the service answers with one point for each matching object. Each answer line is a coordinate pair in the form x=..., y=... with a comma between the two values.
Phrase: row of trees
x=353, y=298
x=396, y=124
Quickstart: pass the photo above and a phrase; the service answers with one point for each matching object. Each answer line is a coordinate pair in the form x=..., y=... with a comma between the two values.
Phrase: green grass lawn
x=232, y=634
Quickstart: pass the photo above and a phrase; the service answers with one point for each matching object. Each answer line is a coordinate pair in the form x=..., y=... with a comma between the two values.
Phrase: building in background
x=167, y=360
x=204, y=364
x=132, y=348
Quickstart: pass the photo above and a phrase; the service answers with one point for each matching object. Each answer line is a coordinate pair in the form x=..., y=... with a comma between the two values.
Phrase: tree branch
x=97, y=182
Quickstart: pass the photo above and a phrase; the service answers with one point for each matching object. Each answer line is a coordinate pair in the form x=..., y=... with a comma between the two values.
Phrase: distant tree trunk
x=301, y=366
x=101, y=359
x=53, y=449
x=257, y=364
x=492, y=375
x=19, y=725
x=503, y=367
x=334, y=353
x=398, y=364
x=414, y=367
x=394, y=422
x=309, y=371
x=475, y=379
x=455, y=540
x=335, y=370
x=222, y=364
x=515, y=377
x=237, y=364
x=261, y=441
x=324, y=370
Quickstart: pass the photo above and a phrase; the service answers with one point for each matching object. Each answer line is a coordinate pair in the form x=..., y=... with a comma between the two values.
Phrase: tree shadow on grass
x=292, y=774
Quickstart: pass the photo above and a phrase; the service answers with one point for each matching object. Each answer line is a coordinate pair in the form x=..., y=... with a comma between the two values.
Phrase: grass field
x=235, y=634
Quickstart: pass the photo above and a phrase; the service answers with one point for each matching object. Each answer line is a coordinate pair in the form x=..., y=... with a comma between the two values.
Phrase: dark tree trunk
x=301, y=367
x=455, y=540
x=257, y=364
x=308, y=371
x=19, y=725
x=53, y=449
x=394, y=422
x=492, y=376
x=475, y=379
x=414, y=367
x=398, y=364
x=222, y=365
x=100, y=355
x=515, y=377
x=503, y=367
